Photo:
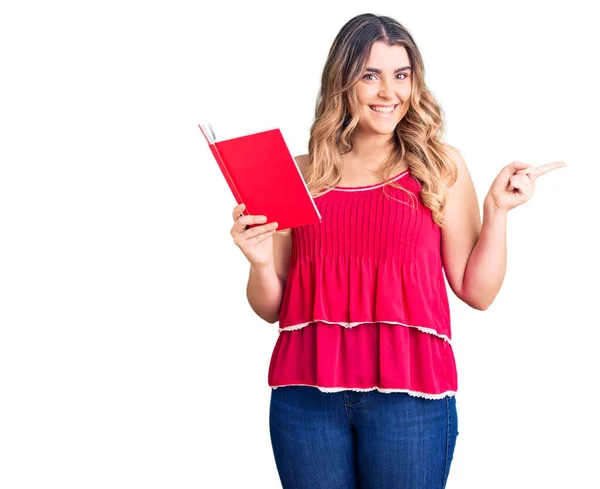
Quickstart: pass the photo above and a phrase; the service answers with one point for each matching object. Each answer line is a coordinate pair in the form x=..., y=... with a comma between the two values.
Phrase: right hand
x=256, y=243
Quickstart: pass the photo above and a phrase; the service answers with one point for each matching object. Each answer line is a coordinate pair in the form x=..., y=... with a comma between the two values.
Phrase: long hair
x=417, y=135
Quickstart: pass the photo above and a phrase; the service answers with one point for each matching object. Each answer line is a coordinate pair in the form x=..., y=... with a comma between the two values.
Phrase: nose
x=385, y=89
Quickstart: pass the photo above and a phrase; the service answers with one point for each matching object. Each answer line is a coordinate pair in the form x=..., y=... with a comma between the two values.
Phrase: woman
x=363, y=374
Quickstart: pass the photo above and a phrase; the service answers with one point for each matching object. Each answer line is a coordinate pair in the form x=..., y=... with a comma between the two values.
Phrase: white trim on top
x=424, y=395
x=369, y=187
x=424, y=329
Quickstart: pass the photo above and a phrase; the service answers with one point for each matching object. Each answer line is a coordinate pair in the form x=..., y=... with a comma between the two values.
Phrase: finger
x=529, y=173
x=513, y=179
x=543, y=169
x=243, y=222
x=251, y=219
x=514, y=185
x=248, y=234
x=522, y=188
x=516, y=166
x=263, y=236
x=520, y=182
x=238, y=210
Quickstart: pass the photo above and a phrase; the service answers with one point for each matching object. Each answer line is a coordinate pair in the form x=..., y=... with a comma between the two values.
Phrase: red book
x=262, y=173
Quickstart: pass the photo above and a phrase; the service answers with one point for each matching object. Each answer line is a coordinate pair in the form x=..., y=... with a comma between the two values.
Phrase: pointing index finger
x=543, y=169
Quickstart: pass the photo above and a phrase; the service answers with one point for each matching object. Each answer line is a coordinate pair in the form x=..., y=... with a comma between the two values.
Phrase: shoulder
x=461, y=191
x=302, y=162
x=458, y=168
x=452, y=151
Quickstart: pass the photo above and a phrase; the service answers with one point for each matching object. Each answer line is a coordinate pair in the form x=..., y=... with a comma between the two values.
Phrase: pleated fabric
x=365, y=304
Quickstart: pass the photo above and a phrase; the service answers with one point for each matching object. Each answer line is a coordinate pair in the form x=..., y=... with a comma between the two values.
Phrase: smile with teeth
x=383, y=109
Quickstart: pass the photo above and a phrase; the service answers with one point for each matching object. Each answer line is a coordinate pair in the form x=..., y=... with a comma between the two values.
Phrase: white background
x=129, y=356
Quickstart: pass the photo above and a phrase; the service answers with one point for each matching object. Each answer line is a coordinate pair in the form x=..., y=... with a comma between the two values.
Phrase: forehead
x=387, y=57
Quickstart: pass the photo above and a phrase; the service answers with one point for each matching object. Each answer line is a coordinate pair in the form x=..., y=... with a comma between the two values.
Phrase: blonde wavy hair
x=417, y=137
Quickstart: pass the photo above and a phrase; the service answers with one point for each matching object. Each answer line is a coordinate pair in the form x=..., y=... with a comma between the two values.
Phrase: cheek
x=366, y=94
x=363, y=99
x=404, y=93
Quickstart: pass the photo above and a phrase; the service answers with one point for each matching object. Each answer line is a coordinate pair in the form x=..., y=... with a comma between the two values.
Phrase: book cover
x=262, y=173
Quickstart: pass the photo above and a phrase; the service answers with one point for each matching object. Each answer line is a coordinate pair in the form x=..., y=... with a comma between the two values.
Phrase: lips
x=383, y=109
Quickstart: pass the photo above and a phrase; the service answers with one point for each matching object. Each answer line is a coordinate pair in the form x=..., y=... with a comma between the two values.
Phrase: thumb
x=516, y=166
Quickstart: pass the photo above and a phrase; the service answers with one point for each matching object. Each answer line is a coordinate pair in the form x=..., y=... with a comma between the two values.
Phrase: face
x=383, y=91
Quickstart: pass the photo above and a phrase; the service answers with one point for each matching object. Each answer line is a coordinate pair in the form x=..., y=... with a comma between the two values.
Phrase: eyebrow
x=397, y=70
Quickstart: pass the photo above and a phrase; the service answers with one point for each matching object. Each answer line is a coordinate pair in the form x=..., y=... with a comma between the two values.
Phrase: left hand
x=515, y=183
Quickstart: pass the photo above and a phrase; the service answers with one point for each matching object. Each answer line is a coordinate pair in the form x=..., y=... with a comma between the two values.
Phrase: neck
x=369, y=151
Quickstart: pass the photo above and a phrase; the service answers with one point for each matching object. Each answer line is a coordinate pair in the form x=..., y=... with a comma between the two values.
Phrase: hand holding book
x=255, y=243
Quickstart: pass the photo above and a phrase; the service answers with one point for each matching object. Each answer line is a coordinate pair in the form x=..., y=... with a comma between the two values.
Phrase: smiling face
x=383, y=92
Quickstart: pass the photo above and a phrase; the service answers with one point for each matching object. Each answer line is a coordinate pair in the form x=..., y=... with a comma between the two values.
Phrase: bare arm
x=265, y=292
x=474, y=256
x=460, y=235
x=487, y=264
x=266, y=284
x=485, y=271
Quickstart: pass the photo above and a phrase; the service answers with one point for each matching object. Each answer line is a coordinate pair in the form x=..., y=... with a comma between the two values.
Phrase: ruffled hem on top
x=382, y=356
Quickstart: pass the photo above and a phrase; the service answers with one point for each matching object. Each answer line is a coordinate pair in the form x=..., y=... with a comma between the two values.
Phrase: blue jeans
x=366, y=440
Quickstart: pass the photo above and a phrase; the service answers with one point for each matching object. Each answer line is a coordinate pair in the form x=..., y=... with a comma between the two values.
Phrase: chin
x=384, y=130
x=374, y=127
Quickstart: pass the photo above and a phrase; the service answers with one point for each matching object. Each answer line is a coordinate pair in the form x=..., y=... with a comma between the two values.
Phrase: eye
x=366, y=77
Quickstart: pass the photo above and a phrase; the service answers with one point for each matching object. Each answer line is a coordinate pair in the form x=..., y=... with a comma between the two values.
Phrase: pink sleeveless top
x=365, y=304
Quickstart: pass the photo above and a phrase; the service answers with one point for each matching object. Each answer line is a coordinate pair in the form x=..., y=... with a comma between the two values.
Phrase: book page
x=235, y=127
x=208, y=132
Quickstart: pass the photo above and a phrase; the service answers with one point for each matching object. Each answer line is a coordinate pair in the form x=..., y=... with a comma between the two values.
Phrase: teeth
x=385, y=110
